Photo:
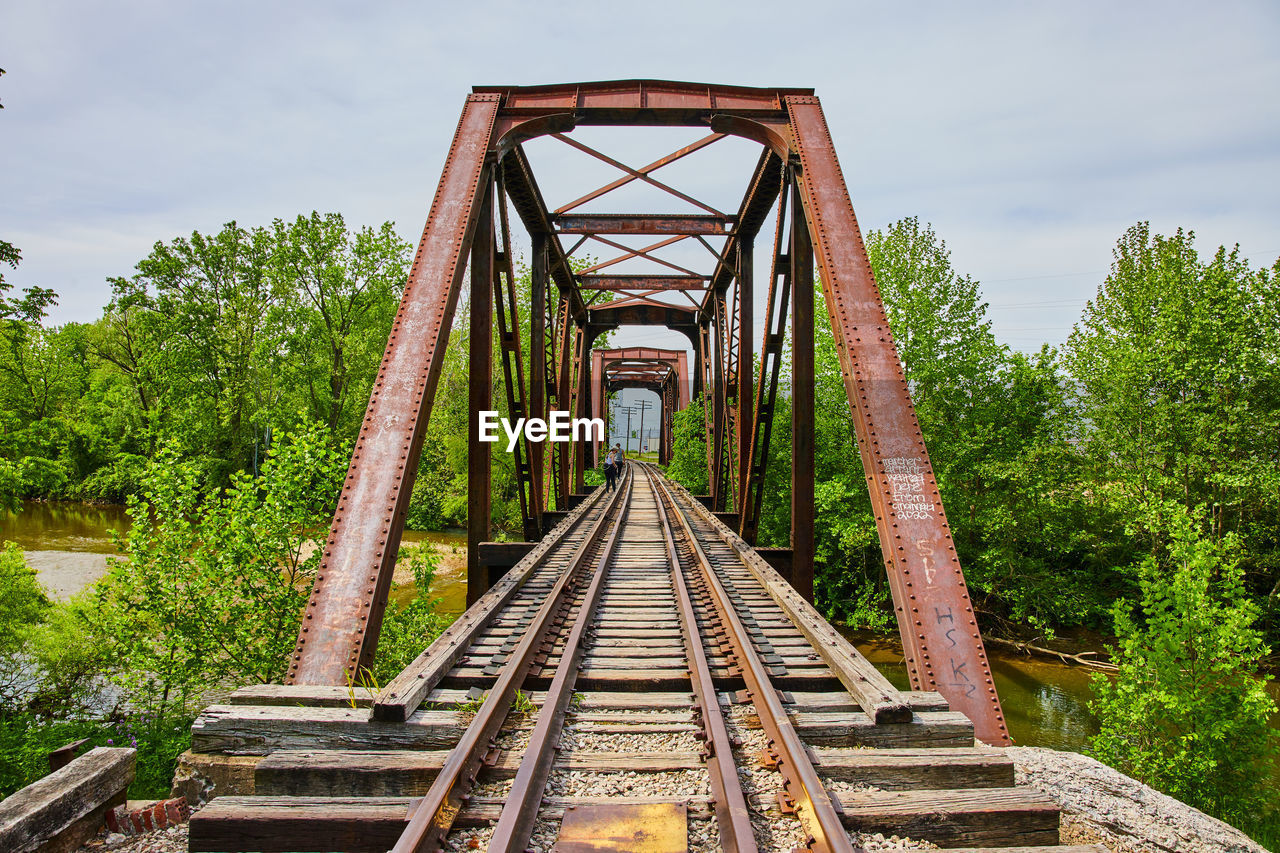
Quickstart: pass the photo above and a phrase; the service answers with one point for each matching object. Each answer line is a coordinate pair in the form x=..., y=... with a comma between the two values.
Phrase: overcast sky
x=1030, y=135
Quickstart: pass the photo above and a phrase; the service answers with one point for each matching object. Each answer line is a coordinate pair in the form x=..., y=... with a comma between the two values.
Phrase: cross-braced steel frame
x=665, y=372
x=797, y=174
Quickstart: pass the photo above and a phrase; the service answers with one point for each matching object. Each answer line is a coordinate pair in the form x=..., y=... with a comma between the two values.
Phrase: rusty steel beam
x=744, y=417
x=802, y=403
x=636, y=173
x=343, y=615
x=644, y=223
x=538, y=372
x=630, y=253
x=643, y=102
x=939, y=629
x=766, y=183
x=509, y=344
x=480, y=396
x=643, y=282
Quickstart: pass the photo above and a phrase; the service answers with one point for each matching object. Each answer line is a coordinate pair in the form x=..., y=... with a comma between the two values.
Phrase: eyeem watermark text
x=559, y=427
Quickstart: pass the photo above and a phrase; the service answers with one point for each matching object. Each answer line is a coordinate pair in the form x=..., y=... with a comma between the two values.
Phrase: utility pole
x=642, y=404
x=627, y=436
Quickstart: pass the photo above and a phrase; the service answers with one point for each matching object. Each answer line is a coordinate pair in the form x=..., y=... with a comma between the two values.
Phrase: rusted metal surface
x=935, y=615
x=642, y=173
x=643, y=223
x=802, y=405
x=625, y=828
x=642, y=102
x=939, y=630
x=805, y=792
x=744, y=417
x=344, y=613
x=643, y=282
x=480, y=395
x=509, y=344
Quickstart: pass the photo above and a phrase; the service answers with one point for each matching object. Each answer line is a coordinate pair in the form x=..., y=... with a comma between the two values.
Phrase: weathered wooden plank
x=927, y=729
x=987, y=817
x=896, y=769
x=286, y=824
x=263, y=729
x=406, y=691
x=873, y=691
x=58, y=810
x=313, y=695
x=409, y=773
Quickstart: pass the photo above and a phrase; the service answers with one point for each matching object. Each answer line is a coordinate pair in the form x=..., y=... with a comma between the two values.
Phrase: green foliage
x=1186, y=713
x=407, y=629
x=26, y=739
x=25, y=606
x=10, y=487
x=1178, y=368
x=688, y=465
x=213, y=586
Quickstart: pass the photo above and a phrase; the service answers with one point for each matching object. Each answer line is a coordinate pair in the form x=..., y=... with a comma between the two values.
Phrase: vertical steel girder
x=939, y=629
x=343, y=616
x=480, y=394
x=802, y=407
x=662, y=371
x=539, y=374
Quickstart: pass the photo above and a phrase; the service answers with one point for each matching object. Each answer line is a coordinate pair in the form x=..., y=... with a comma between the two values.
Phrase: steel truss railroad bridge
x=646, y=611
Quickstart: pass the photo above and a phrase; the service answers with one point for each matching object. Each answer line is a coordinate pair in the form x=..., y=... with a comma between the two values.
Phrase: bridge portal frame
x=665, y=372
x=485, y=168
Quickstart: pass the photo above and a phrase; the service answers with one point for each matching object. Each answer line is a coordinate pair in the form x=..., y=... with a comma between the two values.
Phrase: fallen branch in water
x=1083, y=658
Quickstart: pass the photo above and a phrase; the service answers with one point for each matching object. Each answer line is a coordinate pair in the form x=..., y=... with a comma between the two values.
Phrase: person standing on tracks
x=611, y=470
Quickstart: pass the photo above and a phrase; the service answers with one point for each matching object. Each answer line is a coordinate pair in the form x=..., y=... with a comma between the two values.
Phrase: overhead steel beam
x=643, y=223
x=643, y=282
x=642, y=102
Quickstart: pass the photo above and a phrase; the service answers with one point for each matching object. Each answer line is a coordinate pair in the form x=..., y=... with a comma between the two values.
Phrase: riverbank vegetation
x=223, y=386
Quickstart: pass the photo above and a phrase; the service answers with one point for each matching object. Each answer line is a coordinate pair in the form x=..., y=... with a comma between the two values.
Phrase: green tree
x=212, y=588
x=1187, y=713
x=688, y=464
x=222, y=352
x=1177, y=363
x=25, y=606
x=341, y=292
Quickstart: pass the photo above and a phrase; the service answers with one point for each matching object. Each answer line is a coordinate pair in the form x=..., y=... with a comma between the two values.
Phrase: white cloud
x=1030, y=135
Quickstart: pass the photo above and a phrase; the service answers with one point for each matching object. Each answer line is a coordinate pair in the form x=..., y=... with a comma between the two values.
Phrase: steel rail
x=437, y=811
x=812, y=802
x=732, y=814
x=520, y=812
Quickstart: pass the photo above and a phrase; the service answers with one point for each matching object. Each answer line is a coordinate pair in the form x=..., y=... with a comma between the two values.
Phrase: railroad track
x=642, y=676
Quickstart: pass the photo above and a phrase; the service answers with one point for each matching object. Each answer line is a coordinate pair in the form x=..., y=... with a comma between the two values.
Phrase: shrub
x=1186, y=713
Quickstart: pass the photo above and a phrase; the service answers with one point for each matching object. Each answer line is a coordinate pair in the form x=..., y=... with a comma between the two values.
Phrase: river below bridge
x=1045, y=702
